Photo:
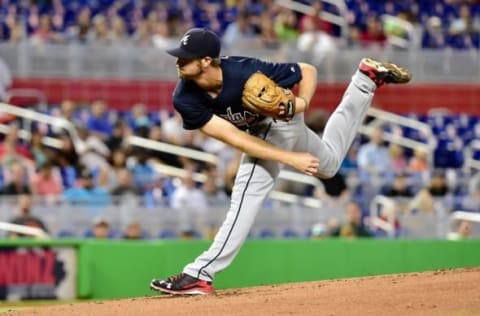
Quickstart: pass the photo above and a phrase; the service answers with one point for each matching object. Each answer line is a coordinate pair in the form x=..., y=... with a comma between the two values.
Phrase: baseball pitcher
x=248, y=104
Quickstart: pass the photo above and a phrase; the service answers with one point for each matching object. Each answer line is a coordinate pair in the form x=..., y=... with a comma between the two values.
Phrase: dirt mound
x=444, y=292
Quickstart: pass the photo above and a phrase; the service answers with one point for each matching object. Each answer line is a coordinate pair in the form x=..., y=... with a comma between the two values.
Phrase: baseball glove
x=263, y=96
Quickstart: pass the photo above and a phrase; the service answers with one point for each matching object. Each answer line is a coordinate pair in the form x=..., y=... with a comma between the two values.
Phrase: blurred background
x=91, y=147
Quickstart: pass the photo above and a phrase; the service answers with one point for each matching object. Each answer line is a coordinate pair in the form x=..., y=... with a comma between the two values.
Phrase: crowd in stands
x=430, y=24
x=101, y=168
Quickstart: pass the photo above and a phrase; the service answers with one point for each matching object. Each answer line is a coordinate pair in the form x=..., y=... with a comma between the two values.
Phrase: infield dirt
x=444, y=292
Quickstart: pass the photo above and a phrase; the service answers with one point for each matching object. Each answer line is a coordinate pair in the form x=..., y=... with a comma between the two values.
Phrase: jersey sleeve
x=194, y=114
x=284, y=74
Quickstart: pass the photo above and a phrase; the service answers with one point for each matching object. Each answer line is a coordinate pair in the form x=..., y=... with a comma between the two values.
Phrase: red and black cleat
x=182, y=284
x=384, y=72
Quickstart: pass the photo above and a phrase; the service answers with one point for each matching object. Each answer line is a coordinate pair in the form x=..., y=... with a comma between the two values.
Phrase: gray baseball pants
x=255, y=177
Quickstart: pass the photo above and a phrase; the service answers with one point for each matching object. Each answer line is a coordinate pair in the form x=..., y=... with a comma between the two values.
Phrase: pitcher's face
x=189, y=68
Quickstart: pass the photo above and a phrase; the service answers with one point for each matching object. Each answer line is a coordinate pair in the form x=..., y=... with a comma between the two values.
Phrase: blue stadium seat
x=168, y=233
x=267, y=233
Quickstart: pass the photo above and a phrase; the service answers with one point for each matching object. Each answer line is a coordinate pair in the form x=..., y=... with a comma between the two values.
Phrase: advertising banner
x=28, y=273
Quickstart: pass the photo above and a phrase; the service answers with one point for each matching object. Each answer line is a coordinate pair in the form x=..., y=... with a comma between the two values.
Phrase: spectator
x=98, y=123
x=17, y=183
x=45, y=34
x=92, y=150
x=399, y=187
x=118, y=32
x=66, y=156
x=268, y=36
x=125, y=185
x=188, y=196
x=434, y=35
x=24, y=203
x=315, y=18
x=214, y=195
x=120, y=132
x=463, y=231
x=80, y=32
x=143, y=173
x=285, y=26
x=419, y=162
x=353, y=226
x=240, y=33
x=398, y=159
x=374, y=157
x=191, y=204
x=41, y=154
x=139, y=118
x=464, y=24
x=12, y=150
x=86, y=193
x=101, y=229
x=46, y=182
x=68, y=111
x=349, y=164
x=142, y=36
x=319, y=44
x=435, y=196
x=100, y=34
x=133, y=231
x=108, y=176
x=373, y=35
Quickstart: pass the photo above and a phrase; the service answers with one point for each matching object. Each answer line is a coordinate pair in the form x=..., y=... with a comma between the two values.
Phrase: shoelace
x=175, y=277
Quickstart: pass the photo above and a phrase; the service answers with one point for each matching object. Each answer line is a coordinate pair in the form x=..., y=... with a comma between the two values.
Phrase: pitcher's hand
x=304, y=162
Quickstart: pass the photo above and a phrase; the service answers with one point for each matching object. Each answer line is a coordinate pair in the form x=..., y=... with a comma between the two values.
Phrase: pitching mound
x=445, y=292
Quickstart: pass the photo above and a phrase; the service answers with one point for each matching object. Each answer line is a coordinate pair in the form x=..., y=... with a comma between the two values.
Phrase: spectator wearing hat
x=86, y=192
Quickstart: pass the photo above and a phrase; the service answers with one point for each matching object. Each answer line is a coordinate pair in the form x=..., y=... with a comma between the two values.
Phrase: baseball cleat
x=182, y=284
x=384, y=72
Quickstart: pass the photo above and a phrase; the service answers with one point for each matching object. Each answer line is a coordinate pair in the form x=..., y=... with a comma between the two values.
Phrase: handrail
x=26, y=135
x=459, y=215
x=275, y=194
x=172, y=149
x=471, y=162
x=402, y=121
x=327, y=16
x=202, y=156
x=26, y=230
x=47, y=119
x=26, y=92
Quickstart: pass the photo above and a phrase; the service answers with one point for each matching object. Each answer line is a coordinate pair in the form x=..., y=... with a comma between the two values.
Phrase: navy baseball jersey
x=197, y=107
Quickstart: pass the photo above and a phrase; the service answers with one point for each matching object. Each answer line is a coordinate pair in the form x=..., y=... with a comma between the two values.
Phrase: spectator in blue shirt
x=374, y=157
x=86, y=193
x=98, y=122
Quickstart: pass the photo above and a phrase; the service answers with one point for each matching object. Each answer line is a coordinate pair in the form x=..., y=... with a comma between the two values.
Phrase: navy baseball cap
x=197, y=43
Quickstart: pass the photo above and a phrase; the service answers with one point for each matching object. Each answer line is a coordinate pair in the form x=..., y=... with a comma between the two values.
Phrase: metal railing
x=457, y=216
x=380, y=117
x=24, y=230
x=29, y=115
x=158, y=146
x=339, y=19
